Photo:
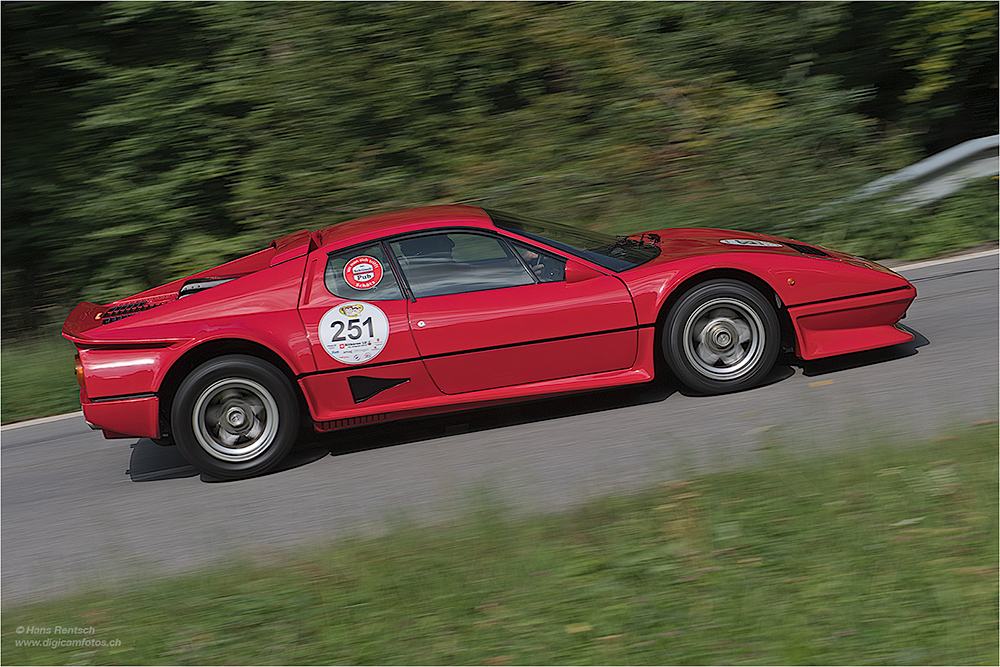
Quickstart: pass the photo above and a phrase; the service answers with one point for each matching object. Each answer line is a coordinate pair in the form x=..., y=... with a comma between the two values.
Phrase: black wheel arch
x=217, y=348
x=678, y=290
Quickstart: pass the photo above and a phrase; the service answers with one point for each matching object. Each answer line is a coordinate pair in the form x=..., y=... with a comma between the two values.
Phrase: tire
x=721, y=336
x=235, y=416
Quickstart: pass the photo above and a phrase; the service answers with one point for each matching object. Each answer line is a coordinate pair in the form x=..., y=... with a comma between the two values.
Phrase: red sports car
x=453, y=307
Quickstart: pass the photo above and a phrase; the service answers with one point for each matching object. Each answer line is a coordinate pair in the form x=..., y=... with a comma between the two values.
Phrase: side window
x=362, y=273
x=547, y=268
x=458, y=262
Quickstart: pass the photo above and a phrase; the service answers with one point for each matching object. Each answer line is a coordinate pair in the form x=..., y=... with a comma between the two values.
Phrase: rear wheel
x=235, y=416
x=721, y=336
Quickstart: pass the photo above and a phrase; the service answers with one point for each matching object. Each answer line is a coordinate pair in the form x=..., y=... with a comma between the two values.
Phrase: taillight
x=79, y=371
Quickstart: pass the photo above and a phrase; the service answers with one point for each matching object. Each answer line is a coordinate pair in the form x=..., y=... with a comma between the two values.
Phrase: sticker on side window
x=354, y=333
x=363, y=272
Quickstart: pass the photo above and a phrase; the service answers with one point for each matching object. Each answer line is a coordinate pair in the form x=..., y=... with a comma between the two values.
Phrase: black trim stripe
x=478, y=349
x=853, y=296
x=122, y=397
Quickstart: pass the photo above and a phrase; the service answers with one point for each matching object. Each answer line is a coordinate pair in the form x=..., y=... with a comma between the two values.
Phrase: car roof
x=376, y=226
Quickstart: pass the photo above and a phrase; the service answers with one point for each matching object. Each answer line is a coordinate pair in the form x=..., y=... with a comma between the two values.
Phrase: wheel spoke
x=227, y=438
x=734, y=356
x=706, y=354
x=213, y=415
x=744, y=330
x=254, y=432
x=255, y=404
x=700, y=327
x=228, y=395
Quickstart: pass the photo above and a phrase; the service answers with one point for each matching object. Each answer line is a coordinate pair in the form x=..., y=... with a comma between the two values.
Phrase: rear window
x=362, y=273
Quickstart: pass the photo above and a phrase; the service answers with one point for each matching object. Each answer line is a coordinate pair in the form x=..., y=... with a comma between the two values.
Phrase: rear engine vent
x=123, y=310
x=807, y=249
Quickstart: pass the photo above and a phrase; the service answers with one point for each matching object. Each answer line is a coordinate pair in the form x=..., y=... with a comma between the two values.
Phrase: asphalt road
x=80, y=509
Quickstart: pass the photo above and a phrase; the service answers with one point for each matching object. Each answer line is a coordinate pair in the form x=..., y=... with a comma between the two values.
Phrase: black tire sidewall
x=678, y=315
x=235, y=366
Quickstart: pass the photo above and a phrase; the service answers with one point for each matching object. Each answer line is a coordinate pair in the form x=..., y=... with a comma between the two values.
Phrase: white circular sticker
x=751, y=242
x=354, y=333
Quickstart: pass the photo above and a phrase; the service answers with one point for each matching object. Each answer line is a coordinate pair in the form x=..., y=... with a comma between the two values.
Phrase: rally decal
x=354, y=333
x=363, y=272
x=751, y=242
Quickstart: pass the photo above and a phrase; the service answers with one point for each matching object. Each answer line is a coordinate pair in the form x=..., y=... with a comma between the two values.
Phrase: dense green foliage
x=879, y=556
x=142, y=141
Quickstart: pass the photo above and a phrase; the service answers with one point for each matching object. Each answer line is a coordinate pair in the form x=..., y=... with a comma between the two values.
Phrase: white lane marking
x=42, y=420
x=947, y=260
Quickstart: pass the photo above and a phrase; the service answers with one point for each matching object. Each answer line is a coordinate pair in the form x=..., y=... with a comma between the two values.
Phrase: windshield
x=615, y=253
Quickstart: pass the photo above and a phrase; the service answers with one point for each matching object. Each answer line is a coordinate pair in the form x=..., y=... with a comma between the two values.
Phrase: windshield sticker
x=363, y=272
x=354, y=333
x=751, y=242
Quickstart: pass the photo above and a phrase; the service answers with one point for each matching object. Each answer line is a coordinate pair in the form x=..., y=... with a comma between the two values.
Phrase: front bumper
x=842, y=326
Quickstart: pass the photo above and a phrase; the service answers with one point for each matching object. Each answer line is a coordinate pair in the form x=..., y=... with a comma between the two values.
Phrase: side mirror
x=577, y=272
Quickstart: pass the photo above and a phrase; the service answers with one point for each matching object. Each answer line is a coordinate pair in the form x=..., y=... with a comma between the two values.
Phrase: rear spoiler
x=81, y=319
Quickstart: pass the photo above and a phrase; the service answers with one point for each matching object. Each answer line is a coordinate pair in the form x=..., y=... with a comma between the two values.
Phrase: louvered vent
x=122, y=310
x=806, y=249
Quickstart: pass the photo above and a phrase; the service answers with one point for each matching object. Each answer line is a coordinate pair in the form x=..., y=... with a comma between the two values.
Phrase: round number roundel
x=363, y=272
x=354, y=332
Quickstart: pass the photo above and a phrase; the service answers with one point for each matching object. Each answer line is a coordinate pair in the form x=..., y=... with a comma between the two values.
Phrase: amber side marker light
x=79, y=371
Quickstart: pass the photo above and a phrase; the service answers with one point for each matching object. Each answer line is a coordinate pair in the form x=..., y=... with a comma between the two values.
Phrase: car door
x=489, y=313
x=355, y=316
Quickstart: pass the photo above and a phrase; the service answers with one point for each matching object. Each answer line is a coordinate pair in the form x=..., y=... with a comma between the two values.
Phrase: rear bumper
x=124, y=417
x=854, y=324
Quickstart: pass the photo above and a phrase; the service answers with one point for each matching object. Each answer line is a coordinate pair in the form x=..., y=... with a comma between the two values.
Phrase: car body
x=440, y=308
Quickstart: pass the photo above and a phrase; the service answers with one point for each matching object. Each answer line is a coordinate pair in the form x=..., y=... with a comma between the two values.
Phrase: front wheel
x=235, y=416
x=721, y=336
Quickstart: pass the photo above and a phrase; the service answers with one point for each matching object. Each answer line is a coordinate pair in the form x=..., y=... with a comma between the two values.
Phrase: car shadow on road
x=151, y=462
x=483, y=419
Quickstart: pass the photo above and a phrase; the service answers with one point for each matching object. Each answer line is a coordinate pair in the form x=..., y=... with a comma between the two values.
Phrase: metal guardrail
x=930, y=179
x=940, y=175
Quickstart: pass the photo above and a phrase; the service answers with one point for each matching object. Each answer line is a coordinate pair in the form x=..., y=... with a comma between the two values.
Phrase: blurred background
x=144, y=141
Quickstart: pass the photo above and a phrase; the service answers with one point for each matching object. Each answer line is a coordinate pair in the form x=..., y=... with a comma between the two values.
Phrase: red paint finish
x=329, y=395
x=531, y=333
x=119, y=372
x=851, y=325
x=132, y=417
x=536, y=362
x=689, y=253
x=592, y=330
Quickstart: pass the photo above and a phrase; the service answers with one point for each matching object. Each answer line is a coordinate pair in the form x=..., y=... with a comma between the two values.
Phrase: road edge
x=41, y=420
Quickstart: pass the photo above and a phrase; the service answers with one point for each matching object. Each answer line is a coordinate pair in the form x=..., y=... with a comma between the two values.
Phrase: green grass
x=37, y=379
x=886, y=555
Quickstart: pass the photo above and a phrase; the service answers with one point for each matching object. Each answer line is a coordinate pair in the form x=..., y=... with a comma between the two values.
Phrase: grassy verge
x=887, y=555
x=37, y=379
